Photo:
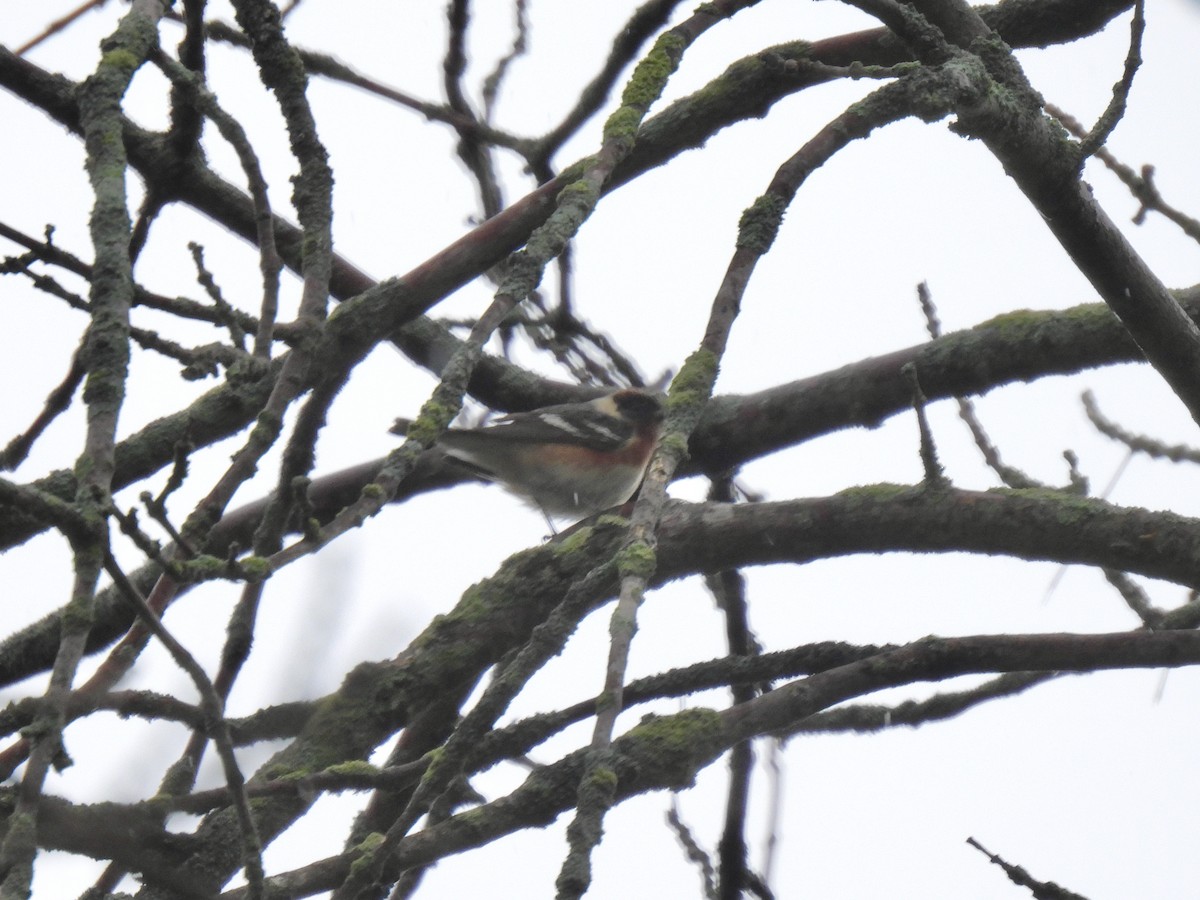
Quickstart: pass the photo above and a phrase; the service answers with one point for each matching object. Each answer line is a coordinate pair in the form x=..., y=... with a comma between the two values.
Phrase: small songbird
x=571, y=460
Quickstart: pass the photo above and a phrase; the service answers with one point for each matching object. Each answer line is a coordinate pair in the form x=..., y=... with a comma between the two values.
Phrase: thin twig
x=183, y=307
x=691, y=847
x=935, y=475
x=59, y=24
x=1115, y=111
x=474, y=153
x=214, y=707
x=57, y=402
x=1141, y=186
x=270, y=262
x=1135, y=598
x=1009, y=475
x=1043, y=890
x=646, y=19
x=492, y=83
x=1137, y=443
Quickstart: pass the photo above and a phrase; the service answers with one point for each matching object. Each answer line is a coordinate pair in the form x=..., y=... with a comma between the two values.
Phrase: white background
x=1090, y=782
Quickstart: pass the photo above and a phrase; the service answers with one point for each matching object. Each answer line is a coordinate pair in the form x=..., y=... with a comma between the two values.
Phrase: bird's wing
x=573, y=424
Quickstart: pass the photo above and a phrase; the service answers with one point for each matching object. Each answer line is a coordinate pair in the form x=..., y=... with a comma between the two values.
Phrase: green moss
x=1017, y=318
x=279, y=772
x=1085, y=313
x=674, y=446
x=432, y=420
x=366, y=853
x=693, y=385
x=266, y=429
x=1069, y=509
x=355, y=767
x=255, y=568
x=670, y=748
x=611, y=520
x=676, y=730
x=603, y=778
x=622, y=125
x=760, y=223
x=373, y=491
x=650, y=75
x=698, y=373
x=727, y=89
x=475, y=821
x=474, y=605
x=436, y=770
x=575, y=541
x=874, y=493
x=121, y=59
x=204, y=568
x=638, y=560
x=577, y=169
x=580, y=192
x=645, y=86
x=598, y=788
x=335, y=731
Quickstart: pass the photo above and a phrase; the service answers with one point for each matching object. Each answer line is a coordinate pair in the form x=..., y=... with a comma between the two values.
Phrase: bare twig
x=646, y=20
x=59, y=24
x=691, y=847
x=1009, y=475
x=214, y=708
x=1042, y=890
x=1113, y=114
x=491, y=84
x=1135, y=598
x=270, y=263
x=57, y=402
x=1142, y=185
x=1137, y=443
x=934, y=473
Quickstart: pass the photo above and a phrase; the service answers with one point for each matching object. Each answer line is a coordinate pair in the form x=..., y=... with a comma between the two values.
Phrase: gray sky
x=1089, y=782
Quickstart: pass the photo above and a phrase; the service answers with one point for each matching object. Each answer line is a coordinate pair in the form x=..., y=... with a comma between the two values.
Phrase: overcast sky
x=1090, y=782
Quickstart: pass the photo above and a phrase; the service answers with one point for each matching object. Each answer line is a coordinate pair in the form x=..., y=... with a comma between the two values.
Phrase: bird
x=571, y=460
